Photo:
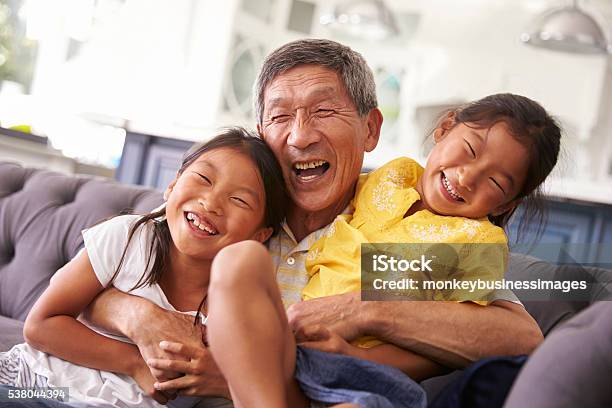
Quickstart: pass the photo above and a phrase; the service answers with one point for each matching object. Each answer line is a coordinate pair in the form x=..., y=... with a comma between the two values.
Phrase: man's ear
x=506, y=207
x=375, y=120
x=444, y=127
x=263, y=234
x=170, y=188
x=260, y=131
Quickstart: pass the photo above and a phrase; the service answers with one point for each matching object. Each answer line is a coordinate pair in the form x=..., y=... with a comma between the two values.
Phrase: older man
x=316, y=108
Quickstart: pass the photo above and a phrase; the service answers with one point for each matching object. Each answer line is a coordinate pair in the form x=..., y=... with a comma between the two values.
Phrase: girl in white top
x=227, y=190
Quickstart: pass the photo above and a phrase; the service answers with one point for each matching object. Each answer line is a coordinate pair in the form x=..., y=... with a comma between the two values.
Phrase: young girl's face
x=218, y=200
x=473, y=172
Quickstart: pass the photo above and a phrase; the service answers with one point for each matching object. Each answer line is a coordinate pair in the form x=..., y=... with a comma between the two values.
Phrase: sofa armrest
x=11, y=333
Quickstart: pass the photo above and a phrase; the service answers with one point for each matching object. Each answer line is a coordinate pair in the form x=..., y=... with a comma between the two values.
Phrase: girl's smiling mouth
x=200, y=224
x=448, y=190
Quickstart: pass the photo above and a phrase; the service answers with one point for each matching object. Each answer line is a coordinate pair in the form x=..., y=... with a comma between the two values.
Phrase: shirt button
x=290, y=261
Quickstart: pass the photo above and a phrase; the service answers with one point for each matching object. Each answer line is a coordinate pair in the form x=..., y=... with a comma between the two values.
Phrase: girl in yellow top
x=485, y=161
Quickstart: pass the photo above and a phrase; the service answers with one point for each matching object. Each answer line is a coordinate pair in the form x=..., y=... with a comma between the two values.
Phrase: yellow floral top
x=381, y=201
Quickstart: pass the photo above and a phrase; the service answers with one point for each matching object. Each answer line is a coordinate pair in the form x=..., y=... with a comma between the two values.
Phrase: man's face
x=317, y=135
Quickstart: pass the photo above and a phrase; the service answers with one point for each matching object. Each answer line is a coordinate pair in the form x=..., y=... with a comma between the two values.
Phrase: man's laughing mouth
x=310, y=170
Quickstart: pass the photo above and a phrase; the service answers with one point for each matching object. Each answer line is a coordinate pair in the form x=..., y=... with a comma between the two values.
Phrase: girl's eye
x=240, y=201
x=497, y=184
x=206, y=179
x=471, y=149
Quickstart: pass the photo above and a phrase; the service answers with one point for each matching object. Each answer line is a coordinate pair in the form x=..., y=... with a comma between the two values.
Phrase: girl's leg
x=247, y=329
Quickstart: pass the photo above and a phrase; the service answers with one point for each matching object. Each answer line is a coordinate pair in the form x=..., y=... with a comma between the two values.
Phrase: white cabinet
x=33, y=151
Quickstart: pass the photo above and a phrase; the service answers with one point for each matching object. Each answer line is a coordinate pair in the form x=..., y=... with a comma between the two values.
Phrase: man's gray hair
x=350, y=65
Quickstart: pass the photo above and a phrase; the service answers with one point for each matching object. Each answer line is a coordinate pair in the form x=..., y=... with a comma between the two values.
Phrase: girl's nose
x=210, y=204
x=466, y=177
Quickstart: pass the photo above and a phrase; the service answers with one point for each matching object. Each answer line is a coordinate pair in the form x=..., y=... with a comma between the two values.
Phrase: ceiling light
x=568, y=29
x=367, y=19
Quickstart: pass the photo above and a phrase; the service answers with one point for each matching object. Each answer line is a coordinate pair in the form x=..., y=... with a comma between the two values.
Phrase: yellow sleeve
x=383, y=194
x=334, y=266
x=333, y=263
x=485, y=260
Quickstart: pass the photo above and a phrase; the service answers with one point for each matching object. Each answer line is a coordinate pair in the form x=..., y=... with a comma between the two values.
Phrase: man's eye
x=324, y=112
x=280, y=118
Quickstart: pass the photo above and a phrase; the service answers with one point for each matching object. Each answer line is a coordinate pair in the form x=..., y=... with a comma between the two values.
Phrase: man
x=316, y=108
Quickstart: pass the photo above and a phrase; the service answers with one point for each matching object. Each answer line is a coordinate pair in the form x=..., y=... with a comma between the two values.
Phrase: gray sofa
x=42, y=214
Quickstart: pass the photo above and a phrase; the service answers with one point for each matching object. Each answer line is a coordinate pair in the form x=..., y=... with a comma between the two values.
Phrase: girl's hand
x=145, y=380
x=163, y=324
x=201, y=374
x=321, y=338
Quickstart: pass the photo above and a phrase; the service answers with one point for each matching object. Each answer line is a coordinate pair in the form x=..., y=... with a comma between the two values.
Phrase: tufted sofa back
x=42, y=214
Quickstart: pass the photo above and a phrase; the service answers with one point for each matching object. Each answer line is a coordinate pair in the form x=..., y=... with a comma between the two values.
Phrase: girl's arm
x=417, y=367
x=51, y=326
x=414, y=365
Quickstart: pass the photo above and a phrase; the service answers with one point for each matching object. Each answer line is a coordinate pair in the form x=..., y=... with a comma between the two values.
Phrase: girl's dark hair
x=530, y=124
x=243, y=141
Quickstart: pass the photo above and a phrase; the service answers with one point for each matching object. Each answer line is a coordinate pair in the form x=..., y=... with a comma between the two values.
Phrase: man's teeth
x=195, y=220
x=309, y=165
x=450, y=189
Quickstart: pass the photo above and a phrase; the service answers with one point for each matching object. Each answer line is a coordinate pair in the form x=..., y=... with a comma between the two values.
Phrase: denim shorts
x=329, y=378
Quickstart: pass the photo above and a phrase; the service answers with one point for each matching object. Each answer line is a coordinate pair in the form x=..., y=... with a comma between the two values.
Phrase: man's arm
x=453, y=334
x=139, y=319
x=147, y=324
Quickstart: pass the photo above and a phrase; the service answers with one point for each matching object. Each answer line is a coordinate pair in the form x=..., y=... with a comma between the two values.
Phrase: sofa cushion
x=11, y=333
x=573, y=367
x=551, y=309
x=42, y=214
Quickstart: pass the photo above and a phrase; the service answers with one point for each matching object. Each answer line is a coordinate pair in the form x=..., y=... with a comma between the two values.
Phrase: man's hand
x=144, y=323
x=202, y=376
x=339, y=314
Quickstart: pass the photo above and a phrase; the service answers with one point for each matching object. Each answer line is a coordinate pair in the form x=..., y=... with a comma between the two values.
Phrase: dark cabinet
x=150, y=160
x=580, y=232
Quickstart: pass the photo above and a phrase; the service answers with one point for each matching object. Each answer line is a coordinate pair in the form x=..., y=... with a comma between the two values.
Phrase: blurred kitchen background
x=92, y=79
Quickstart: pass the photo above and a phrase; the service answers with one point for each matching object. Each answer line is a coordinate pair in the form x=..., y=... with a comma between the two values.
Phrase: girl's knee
x=241, y=262
x=243, y=247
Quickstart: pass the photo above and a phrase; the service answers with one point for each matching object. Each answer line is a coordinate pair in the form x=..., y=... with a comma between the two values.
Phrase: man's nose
x=211, y=203
x=301, y=134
